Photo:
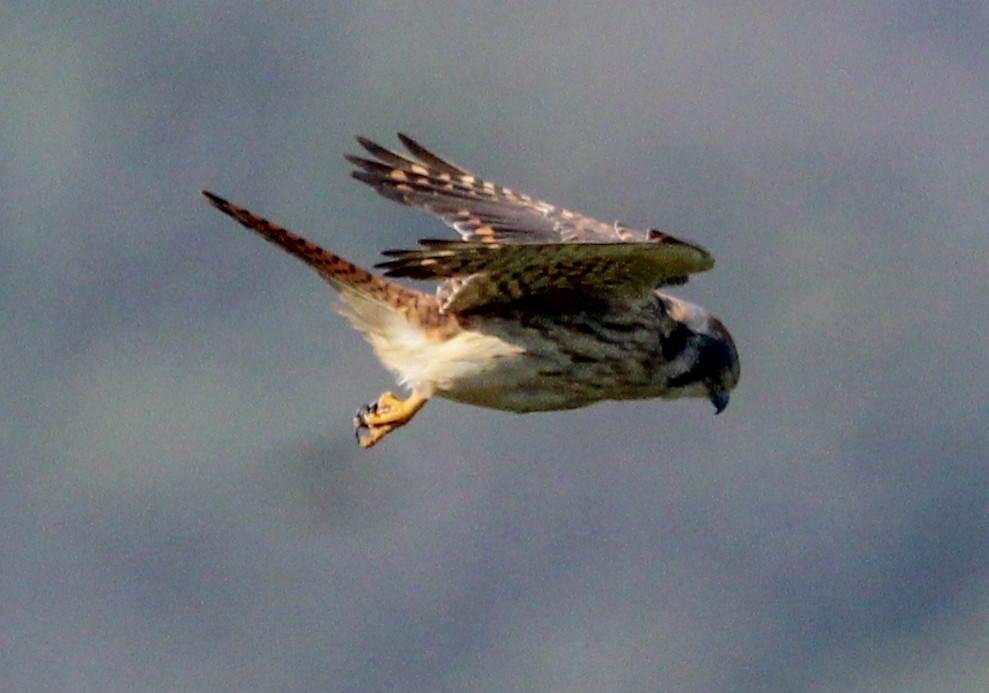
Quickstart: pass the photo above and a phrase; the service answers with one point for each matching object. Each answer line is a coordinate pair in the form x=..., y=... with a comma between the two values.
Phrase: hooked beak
x=719, y=398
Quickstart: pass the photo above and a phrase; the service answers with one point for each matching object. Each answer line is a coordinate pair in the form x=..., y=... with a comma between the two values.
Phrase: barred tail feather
x=340, y=273
x=403, y=325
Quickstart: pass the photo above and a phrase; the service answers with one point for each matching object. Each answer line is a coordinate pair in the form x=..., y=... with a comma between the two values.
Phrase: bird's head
x=708, y=353
x=717, y=365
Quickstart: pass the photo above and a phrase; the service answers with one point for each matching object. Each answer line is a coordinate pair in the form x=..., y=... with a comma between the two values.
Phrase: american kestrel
x=538, y=308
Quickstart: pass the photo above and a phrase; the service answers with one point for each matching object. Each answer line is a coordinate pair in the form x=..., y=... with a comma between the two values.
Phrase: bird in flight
x=538, y=308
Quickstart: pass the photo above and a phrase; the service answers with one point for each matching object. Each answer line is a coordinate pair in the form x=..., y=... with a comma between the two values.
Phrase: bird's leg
x=377, y=419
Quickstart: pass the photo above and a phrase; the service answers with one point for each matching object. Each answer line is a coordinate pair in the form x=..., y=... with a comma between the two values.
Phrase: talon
x=365, y=436
x=371, y=436
x=360, y=418
x=374, y=420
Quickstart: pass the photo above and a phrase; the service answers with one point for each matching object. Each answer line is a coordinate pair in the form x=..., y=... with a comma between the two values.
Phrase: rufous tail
x=343, y=275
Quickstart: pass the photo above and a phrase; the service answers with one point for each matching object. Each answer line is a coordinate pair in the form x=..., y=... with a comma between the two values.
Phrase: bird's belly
x=528, y=382
x=519, y=396
x=526, y=363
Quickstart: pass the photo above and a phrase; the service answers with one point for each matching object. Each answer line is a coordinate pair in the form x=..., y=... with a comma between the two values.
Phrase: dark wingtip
x=406, y=268
x=392, y=253
x=374, y=168
x=409, y=143
x=431, y=158
x=382, y=154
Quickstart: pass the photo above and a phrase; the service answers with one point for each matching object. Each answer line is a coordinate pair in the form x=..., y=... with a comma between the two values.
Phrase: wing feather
x=516, y=248
x=486, y=274
x=475, y=208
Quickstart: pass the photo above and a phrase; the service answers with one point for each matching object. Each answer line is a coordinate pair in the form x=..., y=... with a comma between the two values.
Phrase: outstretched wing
x=566, y=275
x=517, y=249
x=477, y=209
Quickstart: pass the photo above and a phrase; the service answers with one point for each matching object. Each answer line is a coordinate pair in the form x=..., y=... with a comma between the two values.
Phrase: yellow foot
x=376, y=420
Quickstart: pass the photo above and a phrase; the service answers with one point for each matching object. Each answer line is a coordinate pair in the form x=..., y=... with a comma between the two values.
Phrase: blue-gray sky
x=183, y=505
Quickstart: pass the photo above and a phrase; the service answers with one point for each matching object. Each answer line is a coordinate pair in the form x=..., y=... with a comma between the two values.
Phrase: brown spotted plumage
x=538, y=308
x=478, y=209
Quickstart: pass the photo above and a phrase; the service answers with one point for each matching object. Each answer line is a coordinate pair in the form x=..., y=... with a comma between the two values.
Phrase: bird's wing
x=558, y=275
x=478, y=209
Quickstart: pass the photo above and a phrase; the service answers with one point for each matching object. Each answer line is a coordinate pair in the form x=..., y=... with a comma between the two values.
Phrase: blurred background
x=183, y=506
